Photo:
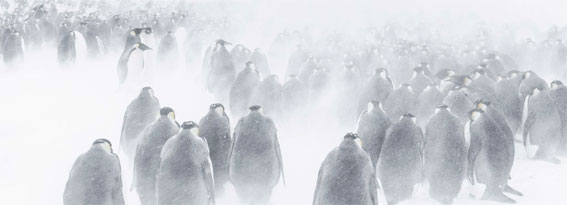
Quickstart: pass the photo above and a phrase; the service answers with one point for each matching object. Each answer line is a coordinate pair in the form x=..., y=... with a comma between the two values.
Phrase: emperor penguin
x=490, y=156
x=346, y=176
x=510, y=104
x=530, y=81
x=131, y=64
x=444, y=155
x=221, y=72
x=13, y=48
x=268, y=94
x=495, y=114
x=185, y=174
x=240, y=54
x=296, y=60
x=168, y=51
x=294, y=97
x=147, y=159
x=95, y=177
x=242, y=89
x=215, y=128
x=400, y=102
x=459, y=103
x=142, y=111
x=371, y=128
x=400, y=164
x=541, y=125
x=378, y=87
x=255, y=160
x=558, y=92
x=419, y=80
x=66, y=52
x=427, y=101
x=261, y=61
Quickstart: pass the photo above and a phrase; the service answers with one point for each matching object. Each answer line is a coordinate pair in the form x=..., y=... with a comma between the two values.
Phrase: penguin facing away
x=372, y=126
x=95, y=177
x=185, y=174
x=147, y=159
x=346, y=176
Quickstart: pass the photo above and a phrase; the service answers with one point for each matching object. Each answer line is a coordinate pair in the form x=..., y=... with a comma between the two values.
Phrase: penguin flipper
x=206, y=167
x=474, y=150
x=122, y=135
x=279, y=155
x=530, y=120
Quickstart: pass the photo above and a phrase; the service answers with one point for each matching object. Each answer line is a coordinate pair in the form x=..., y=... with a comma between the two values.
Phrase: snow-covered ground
x=48, y=116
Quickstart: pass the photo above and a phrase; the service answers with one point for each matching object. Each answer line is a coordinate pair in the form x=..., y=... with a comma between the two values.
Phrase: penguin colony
x=420, y=113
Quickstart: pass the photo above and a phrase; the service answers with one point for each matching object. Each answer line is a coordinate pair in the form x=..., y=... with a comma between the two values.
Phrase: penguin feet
x=509, y=189
x=497, y=196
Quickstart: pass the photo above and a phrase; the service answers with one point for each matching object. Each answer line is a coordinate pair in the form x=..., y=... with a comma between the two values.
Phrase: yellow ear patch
x=171, y=115
x=358, y=142
x=195, y=131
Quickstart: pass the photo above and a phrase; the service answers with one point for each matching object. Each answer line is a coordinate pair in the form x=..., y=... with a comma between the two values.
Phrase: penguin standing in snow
x=378, y=86
x=66, y=52
x=142, y=111
x=215, y=128
x=458, y=102
x=185, y=174
x=428, y=100
x=242, y=90
x=147, y=159
x=400, y=102
x=444, y=155
x=372, y=126
x=558, y=92
x=419, y=80
x=541, y=125
x=268, y=94
x=294, y=97
x=400, y=163
x=490, y=156
x=346, y=176
x=131, y=63
x=13, y=48
x=95, y=177
x=255, y=160
x=261, y=61
x=221, y=71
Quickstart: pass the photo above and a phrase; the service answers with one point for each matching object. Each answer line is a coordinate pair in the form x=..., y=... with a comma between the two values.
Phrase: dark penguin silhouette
x=185, y=174
x=95, y=177
x=255, y=160
x=294, y=97
x=13, y=48
x=346, y=176
x=168, y=52
x=510, y=104
x=400, y=102
x=541, y=124
x=128, y=66
x=147, y=159
x=268, y=94
x=66, y=51
x=372, y=126
x=378, y=87
x=444, y=155
x=221, y=71
x=215, y=128
x=558, y=92
x=529, y=82
x=242, y=90
x=490, y=156
x=142, y=111
x=400, y=163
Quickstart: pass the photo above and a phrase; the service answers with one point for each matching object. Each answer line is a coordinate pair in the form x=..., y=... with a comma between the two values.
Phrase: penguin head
x=147, y=91
x=191, y=127
x=167, y=111
x=256, y=108
x=556, y=83
x=217, y=107
x=477, y=73
x=467, y=81
x=527, y=74
x=251, y=64
x=354, y=137
x=417, y=70
x=148, y=30
x=512, y=74
x=474, y=114
x=373, y=105
x=136, y=31
x=441, y=107
x=408, y=116
x=142, y=47
x=382, y=72
x=407, y=86
x=104, y=143
x=535, y=91
x=222, y=42
x=481, y=104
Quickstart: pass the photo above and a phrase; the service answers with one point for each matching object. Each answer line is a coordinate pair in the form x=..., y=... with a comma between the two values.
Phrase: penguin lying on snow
x=95, y=177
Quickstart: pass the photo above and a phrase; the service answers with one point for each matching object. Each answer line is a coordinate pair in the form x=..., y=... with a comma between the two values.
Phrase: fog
x=51, y=114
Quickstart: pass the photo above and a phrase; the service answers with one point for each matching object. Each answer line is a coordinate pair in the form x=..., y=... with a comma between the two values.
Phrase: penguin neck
x=348, y=144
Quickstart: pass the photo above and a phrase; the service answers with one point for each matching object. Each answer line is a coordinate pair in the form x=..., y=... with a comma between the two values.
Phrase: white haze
x=49, y=116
